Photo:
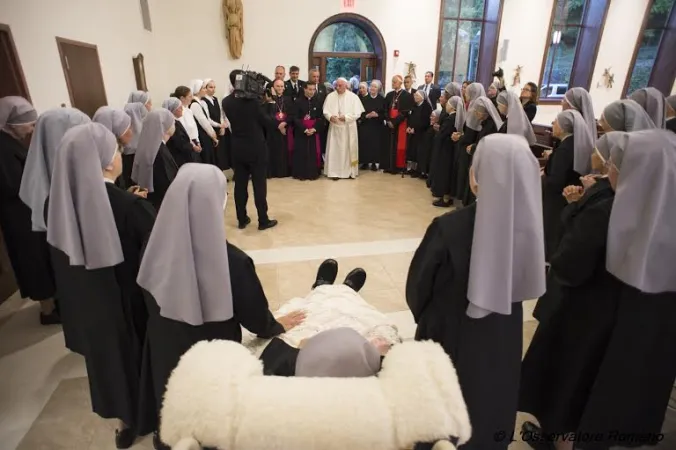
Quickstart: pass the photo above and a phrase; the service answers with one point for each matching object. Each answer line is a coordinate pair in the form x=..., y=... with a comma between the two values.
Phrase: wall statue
x=233, y=11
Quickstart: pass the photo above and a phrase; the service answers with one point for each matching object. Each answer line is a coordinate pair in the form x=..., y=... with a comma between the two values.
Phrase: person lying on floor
x=330, y=308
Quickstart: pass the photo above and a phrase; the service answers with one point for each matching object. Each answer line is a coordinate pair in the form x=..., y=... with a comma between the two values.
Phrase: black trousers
x=258, y=173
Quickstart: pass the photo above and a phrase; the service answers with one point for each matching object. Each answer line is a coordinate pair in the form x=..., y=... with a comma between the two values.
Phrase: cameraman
x=249, y=154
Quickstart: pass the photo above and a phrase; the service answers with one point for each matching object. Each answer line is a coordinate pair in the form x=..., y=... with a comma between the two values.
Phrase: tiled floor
x=374, y=222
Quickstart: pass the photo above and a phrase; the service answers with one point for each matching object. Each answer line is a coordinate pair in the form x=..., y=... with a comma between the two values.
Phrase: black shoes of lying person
x=243, y=225
x=327, y=273
x=531, y=435
x=269, y=224
x=355, y=279
x=124, y=438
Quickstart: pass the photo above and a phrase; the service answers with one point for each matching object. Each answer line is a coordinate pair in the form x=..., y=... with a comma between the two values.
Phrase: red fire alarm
x=396, y=53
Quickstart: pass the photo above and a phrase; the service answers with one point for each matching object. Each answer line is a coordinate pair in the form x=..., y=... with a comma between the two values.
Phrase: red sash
x=401, y=140
x=310, y=123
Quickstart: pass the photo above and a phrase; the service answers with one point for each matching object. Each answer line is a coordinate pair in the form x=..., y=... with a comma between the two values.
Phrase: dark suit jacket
x=289, y=92
x=249, y=122
x=435, y=93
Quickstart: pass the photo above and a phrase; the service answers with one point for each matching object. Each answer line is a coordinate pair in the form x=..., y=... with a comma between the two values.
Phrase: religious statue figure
x=411, y=70
x=608, y=79
x=517, y=76
x=234, y=20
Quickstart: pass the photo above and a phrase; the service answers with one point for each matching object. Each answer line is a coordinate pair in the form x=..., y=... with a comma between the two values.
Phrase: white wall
x=113, y=25
x=188, y=40
x=527, y=46
x=280, y=33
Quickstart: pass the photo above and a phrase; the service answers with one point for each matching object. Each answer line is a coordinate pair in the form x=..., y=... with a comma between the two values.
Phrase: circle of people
x=142, y=272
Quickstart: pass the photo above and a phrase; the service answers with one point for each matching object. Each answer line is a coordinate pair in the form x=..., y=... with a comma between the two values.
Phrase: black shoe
x=441, y=203
x=414, y=174
x=327, y=273
x=374, y=168
x=356, y=279
x=532, y=435
x=269, y=224
x=158, y=444
x=52, y=318
x=243, y=225
x=124, y=438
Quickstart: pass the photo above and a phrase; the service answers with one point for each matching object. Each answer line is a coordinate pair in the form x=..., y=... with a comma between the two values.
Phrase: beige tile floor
x=374, y=222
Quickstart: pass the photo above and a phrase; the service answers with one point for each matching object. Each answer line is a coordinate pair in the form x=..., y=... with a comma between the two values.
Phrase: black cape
x=27, y=250
x=559, y=173
x=168, y=339
x=104, y=315
x=306, y=158
x=165, y=170
x=486, y=352
x=371, y=131
x=419, y=121
x=443, y=156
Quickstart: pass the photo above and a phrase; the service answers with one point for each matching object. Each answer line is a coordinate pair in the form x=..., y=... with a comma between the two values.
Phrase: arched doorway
x=346, y=45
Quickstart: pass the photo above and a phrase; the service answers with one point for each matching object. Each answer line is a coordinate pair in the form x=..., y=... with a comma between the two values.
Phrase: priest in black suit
x=293, y=87
x=321, y=96
x=432, y=90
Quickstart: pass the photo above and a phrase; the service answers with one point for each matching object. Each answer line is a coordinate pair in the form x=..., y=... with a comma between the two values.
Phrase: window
x=343, y=37
x=655, y=28
x=574, y=36
x=145, y=14
x=467, y=40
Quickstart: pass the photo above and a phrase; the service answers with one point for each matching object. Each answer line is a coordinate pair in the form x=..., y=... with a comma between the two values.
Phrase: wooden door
x=82, y=69
x=368, y=69
x=12, y=82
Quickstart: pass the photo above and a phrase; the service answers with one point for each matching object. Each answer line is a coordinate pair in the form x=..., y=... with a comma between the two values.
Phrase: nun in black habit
x=625, y=115
x=489, y=117
x=465, y=138
x=96, y=231
x=418, y=123
x=469, y=276
x=514, y=117
x=426, y=148
x=137, y=108
x=444, y=149
x=179, y=143
x=210, y=293
x=607, y=359
x=567, y=163
x=35, y=183
x=27, y=249
x=372, y=143
x=154, y=167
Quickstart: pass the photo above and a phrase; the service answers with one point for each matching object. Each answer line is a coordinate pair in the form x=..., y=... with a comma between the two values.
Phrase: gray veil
x=571, y=121
x=484, y=104
x=137, y=112
x=155, y=126
x=81, y=222
x=338, y=353
x=608, y=141
x=579, y=99
x=641, y=246
x=116, y=120
x=185, y=265
x=517, y=121
x=508, y=257
x=16, y=111
x=139, y=97
x=37, y=174
x=453, y=89
x=654, y=104
x=474, y=91
x=627, y=115
x=460, y=113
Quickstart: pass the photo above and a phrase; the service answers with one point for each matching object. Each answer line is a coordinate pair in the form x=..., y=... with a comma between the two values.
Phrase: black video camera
x=250, y=84
x=499, y=73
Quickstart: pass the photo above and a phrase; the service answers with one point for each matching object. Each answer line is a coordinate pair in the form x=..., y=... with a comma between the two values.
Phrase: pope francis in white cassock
x=342, y=108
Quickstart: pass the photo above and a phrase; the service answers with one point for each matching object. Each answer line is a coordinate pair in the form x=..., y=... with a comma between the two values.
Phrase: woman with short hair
x=530, y=94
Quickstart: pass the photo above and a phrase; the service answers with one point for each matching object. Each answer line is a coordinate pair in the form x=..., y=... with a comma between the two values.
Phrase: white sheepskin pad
x=217, y=396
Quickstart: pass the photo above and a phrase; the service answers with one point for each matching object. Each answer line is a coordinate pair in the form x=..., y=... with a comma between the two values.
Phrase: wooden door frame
x=371, y=31
x=22, y=76
x=64, y=64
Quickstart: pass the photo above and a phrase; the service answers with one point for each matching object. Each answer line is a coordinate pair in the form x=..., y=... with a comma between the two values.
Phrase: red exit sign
x=347, y=5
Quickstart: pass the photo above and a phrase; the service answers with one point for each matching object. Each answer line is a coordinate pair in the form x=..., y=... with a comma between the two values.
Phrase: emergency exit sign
x=347, y=5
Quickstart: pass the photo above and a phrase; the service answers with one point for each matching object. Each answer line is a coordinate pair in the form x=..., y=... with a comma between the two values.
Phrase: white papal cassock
x=342, y=148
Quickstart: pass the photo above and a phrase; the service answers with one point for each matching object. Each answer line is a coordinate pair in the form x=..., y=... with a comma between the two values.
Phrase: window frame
x=587, y=49
x=663, y=73
x=490, y=34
